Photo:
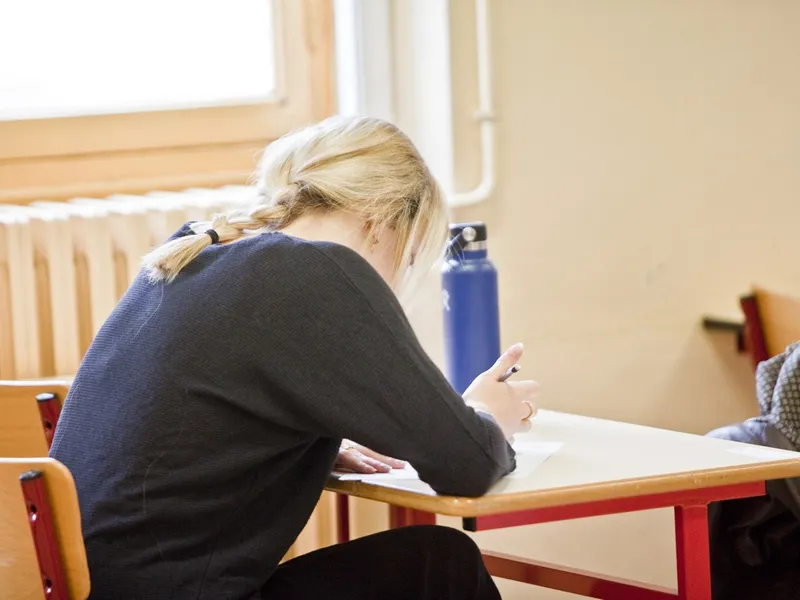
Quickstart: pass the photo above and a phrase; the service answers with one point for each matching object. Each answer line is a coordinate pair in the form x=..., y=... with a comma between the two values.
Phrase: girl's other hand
x=360, y=459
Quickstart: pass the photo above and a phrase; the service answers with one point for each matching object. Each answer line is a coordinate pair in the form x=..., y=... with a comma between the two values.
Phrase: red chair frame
x=756, y=341
x=40, y=517
x=49, y=412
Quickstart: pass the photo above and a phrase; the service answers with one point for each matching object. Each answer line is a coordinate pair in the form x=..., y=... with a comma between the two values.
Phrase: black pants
x=411, y=563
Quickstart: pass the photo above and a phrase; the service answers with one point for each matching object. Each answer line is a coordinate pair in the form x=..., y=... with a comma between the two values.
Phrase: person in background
x=213, y=403
x=755, y=542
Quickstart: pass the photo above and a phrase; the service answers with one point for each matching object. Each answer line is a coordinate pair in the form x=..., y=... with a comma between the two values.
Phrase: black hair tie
x=213, y=235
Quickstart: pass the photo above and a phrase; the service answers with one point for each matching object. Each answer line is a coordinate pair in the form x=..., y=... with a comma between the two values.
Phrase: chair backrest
x=49, y=549
x=780, y=319
x=772, y=322
x=29, y=413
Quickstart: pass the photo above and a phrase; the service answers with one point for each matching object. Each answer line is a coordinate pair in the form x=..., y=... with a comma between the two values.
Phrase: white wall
x=648, y=174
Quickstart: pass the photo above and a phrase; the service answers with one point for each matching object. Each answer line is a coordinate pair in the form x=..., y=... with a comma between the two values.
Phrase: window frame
x=171, y=149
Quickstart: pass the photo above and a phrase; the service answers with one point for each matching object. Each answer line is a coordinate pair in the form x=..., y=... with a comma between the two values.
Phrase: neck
x=338, y=227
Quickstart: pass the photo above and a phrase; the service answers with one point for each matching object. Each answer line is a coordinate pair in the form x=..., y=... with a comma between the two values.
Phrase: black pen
x=504, y=377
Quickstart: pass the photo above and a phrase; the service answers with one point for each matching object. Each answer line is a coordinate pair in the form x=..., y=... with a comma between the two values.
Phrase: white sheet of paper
x=530, y=455
x=407, y=473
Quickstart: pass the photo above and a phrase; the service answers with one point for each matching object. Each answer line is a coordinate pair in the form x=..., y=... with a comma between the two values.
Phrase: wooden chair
x=42, y=554
x=772, y=322
x=30, y=411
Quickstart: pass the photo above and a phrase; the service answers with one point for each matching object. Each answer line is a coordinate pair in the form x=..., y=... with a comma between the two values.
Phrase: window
x=150, y=55
x=104, y=97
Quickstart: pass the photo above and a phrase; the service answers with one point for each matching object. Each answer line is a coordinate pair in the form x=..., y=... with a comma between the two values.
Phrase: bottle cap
x=475, y=230
x=466, y=236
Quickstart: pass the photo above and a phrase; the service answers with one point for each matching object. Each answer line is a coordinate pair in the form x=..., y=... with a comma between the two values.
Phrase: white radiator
x=65, y=265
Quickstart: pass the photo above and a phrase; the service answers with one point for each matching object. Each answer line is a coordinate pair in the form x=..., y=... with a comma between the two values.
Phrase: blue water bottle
x=469, y=299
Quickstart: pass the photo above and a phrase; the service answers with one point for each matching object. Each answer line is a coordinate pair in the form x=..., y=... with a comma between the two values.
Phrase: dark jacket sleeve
x=353, y=368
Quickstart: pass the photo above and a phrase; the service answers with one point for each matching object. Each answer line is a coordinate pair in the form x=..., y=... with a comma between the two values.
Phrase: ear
x=371, y=235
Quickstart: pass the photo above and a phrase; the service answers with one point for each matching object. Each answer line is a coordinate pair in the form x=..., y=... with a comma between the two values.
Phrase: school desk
x=603, y=467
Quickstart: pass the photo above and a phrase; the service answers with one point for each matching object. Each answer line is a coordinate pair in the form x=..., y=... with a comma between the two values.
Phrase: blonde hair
x=361, y=165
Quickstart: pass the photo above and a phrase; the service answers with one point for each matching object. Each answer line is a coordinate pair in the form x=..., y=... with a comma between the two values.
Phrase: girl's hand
x=359, y=459
x=510, y=403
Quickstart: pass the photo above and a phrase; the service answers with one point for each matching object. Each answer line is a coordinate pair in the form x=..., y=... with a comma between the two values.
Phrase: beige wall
x=648, y=173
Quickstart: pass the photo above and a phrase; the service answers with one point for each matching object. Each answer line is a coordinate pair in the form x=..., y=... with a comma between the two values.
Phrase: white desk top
x=599, y=460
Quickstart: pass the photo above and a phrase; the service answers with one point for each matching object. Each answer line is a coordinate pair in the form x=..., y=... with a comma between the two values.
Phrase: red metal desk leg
x=397, y=517
x=403, y=517
x=573, y=581
x=342, y=518
x=420, y=517
x=694, y=563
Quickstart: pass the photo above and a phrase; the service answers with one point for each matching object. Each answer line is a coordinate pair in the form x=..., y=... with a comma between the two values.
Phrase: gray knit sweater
x=208, y=412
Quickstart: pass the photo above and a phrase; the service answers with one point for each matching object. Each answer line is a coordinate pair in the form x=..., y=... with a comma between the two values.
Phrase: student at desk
x=755, y=542
x=213, y=404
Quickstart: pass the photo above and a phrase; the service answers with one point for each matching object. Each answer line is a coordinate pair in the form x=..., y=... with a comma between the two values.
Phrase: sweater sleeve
x=365, y=377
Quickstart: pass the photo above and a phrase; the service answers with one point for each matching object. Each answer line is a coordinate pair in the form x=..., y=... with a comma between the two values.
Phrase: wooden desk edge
x=502, y=503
